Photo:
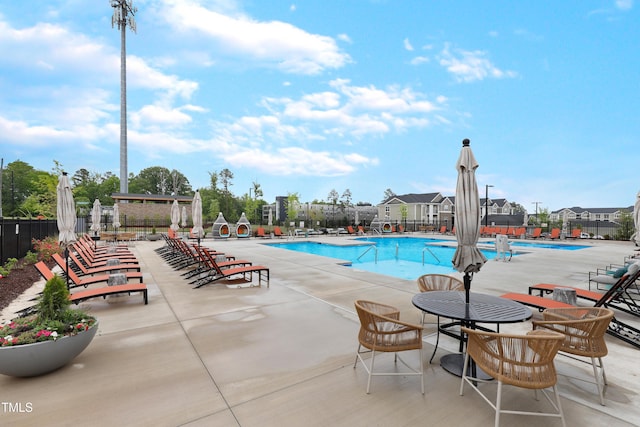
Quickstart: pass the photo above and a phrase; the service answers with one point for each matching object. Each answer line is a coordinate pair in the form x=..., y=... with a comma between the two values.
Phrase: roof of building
x=414, y=198
x=151, y=197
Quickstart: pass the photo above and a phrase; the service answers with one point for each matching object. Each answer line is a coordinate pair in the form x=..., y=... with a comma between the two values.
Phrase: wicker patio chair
x=382, y=331
x=524, y=361
x=584, y=329
x=439, y=282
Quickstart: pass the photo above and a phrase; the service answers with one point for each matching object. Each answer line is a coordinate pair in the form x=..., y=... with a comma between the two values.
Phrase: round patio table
x=482, y=308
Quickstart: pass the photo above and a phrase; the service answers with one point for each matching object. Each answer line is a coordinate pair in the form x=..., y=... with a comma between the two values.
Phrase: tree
x=253, y=204
x=18, y=179
x=626, y=228
x=225, y=179
x=333, y=199
x=160, y=180
x=293, y=203
x=388, y=193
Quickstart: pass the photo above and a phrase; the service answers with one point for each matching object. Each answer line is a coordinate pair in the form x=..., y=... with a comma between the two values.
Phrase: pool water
x=402, y=257
x=559, y=246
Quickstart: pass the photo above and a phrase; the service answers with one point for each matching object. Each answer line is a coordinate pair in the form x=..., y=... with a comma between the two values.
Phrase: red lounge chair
x=610, y=299
x=575, y=234
x=537, y=232
x=555, y=234
x=246, y=272
x=443, y=229
x=96, y=270
x=128, y=288
x=277, y=232
x=260, y=232
x=350, y=230
x=85, y=281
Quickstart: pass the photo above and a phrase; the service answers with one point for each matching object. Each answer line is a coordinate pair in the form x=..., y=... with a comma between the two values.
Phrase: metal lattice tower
x=123, y=14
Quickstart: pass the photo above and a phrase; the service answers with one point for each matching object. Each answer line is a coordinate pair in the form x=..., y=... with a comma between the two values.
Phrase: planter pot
x=30, y=360
x=153, y=237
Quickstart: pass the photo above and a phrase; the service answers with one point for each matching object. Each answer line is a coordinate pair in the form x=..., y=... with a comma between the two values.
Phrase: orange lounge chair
x=350, y=230
x=555, y=234
x=575, y=234
x=85, y=281
x=443, y=229
x=83, y=258
x=609, y=299
x=277, y=232
x=246, y=272
x=361, y=229
x=77, y=297
x=261, y=233
x=95, y=270
x=537, y=232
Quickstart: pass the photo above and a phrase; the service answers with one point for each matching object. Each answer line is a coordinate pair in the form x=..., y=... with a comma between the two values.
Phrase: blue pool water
x=403, y=257
x=397, y=257
x=562, y=247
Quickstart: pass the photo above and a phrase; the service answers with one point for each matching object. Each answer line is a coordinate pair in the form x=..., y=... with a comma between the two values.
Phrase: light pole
x=486, y=205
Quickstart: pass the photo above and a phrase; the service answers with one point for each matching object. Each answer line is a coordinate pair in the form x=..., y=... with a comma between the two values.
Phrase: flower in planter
x=53, y=318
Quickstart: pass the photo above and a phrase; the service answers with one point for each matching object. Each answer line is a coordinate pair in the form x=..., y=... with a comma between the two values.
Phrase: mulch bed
x=21, y=278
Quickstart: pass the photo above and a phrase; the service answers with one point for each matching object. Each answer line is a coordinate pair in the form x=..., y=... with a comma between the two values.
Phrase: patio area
x=283, y=355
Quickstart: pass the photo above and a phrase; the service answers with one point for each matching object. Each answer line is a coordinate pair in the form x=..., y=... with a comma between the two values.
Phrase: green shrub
x=54, y=301
x=31, y=257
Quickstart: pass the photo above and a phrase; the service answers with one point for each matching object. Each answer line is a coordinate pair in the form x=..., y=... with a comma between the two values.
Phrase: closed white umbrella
x=467, y=259
x=183, y=221
x=270, y=218
x=525, y=219
x=116, y=220
x=66, y=216
x=175, y=216
x=636, y=218
x=196, y=216
x=356, y=218
x=116, y=216
x=96, y=214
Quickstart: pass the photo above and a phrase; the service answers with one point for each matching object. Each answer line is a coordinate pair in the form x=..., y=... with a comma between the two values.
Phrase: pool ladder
x=375, y=249
x=432, y=254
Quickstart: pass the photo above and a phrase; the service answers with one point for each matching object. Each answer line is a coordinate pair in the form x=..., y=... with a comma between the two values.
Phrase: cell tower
x=123, y=13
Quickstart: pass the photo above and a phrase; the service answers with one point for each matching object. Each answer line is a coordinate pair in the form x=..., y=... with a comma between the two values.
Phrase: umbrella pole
x=66, y=255
x=467, y=286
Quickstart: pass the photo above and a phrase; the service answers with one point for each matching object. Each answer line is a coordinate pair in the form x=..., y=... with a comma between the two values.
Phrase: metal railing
x=372, y=247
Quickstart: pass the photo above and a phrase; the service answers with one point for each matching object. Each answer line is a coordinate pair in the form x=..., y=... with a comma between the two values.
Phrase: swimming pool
x=402, y=257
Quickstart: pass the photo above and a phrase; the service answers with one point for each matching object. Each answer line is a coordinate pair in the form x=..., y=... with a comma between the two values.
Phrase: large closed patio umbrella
x=116, y=216
x=467, y=259
x=636, y=218
x=96, y=213
x=196, y=216
x=116, y=220
x=184, y=217
x=66, y=216
x=175, y=216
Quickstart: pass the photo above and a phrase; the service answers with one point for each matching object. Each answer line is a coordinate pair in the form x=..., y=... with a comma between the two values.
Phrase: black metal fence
x=16, y=235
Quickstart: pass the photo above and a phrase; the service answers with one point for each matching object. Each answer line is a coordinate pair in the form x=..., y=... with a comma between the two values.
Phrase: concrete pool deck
x=283, y=355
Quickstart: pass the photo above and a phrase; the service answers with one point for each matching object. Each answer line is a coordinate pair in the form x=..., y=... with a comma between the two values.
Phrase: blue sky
x=317, y=95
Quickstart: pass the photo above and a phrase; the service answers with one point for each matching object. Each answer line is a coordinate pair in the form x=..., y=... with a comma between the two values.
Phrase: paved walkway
x=283, y=355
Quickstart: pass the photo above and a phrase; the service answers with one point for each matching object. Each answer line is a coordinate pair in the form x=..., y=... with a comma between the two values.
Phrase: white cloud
x=272, y=43
x=345, y=38
x=407, y=45
x=470, y=66
x=419, y=60
x=624, y=4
